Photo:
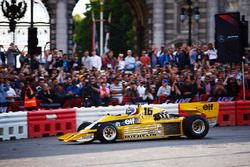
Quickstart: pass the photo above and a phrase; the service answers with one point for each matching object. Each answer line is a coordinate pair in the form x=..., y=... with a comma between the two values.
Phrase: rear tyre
x=107, y=133
x=195, y=127
x=83, y=126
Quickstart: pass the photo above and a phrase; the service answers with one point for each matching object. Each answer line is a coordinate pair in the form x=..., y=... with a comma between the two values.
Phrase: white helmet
x=131, y=110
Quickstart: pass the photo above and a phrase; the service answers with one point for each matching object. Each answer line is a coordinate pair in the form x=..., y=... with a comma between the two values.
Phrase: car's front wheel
x=107, y=133
x=195, y=127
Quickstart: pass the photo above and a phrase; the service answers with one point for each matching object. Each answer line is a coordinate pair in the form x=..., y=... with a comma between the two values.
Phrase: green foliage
x=121, y=33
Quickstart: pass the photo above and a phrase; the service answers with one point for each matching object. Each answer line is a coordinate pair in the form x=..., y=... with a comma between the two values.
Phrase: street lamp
x=189, y=12
x=13, y=12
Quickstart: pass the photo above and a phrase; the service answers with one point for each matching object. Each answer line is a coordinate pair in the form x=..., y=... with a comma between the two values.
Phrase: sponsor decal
x=148, y=111
x=139, y=136
x=130, y=121
x=117, y=124
x=221, y=38
x=208, y=107
x=159, y=129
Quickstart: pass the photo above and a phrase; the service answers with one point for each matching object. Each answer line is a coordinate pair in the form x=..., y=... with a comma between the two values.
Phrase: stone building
x=156, y=21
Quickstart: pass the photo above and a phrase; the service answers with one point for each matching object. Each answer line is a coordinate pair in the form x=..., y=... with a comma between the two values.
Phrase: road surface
x=223, y=147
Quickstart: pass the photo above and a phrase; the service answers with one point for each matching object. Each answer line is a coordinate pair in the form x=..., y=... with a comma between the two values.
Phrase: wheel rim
x=198, y=126
x=109, y=133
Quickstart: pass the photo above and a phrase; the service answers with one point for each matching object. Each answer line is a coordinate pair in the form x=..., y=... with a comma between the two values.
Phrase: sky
x=80, y=7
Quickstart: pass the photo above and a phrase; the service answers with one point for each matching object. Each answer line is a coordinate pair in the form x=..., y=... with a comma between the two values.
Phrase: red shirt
x=145, y=60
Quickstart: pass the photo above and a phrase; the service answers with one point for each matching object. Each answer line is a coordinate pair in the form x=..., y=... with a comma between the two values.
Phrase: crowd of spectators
x=154, y=76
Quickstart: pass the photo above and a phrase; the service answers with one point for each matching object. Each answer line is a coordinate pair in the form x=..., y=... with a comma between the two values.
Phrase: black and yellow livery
x=147, y=123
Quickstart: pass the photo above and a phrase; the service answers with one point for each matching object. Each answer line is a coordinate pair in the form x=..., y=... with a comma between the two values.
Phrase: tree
x=121, y=27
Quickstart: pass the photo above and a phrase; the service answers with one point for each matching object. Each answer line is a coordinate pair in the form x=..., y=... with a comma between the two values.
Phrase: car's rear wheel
x=83, y=126
x=107, y=133
x=195, y=127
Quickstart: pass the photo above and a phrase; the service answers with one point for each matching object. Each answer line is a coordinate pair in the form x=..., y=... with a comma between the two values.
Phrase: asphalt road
x=223, y=147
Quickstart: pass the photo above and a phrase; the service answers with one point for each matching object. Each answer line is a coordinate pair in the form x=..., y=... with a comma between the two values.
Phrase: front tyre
x=195, y=127
x=107, y=133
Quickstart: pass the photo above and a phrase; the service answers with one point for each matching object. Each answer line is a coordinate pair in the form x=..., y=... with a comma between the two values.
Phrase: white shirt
x=121, y=65
x=49, y=60
x=164, y=91
x=212, y=54
x=141, y=90
x=41, y=59
x=11, y=93
x=96, y=61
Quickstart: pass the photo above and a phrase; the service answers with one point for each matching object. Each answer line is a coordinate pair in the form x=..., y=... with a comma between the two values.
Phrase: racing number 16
x=148, y=111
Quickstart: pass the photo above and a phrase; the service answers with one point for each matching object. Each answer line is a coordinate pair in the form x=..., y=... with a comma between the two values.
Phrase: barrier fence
x=21, y=125
x=50, y=123
x=13, y=126
x=78, y=102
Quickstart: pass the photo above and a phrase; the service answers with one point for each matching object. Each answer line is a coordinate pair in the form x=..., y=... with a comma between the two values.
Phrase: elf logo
x=208, y=107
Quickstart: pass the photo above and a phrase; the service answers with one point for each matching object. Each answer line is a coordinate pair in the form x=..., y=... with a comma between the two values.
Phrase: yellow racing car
x=145, y=122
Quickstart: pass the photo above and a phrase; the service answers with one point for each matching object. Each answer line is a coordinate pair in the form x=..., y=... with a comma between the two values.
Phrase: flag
x=106, y=49
x=94, y=35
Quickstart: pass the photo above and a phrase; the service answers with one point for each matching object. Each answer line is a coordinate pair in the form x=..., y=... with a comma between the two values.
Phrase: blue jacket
x=164, y=58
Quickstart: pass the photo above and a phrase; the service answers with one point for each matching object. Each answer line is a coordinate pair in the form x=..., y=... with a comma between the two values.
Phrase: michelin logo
x=139, y=136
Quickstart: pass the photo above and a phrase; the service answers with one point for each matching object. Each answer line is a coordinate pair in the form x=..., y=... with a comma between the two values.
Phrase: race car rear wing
x=209, y=110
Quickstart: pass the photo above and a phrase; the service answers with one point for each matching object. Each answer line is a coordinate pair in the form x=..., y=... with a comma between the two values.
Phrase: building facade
x=156, y=21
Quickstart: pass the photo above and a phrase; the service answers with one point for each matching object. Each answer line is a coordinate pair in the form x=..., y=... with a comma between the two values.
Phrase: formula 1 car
x=146, y=123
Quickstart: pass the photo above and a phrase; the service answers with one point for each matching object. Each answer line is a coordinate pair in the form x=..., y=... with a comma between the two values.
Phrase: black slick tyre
x=83, y=125
x=107, y=133
x=195, y=127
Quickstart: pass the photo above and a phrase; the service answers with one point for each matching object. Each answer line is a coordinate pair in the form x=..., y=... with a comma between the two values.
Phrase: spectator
x=121, y=62
x=187, y=71
x=131, y=92
x=164, y=91
x=92, y=88
x=11, y=55
x=45, y=94
x=111, y=60
x=164, y=58
x=116, y=90
x=212, y=54
x=61, y=95
x=2, y=55
x=189, y=88
x=232, y=86
x=95, y=61
x=3, y=95
x=208, y=86
x=29, y=97
x=181, y=58
x=141, y=88
x=175, y=90
x=11, y=95
x=22, y=59
x=130, y=61
x=148, y=97
x=154, y=59
x=219, y=89
x=145, y=59
x=105, y=94
x=73, y=89
x=65, y=63
x=86, y=62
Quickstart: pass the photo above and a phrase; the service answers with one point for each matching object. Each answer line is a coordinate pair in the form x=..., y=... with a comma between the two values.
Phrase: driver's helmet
x=131, y=110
